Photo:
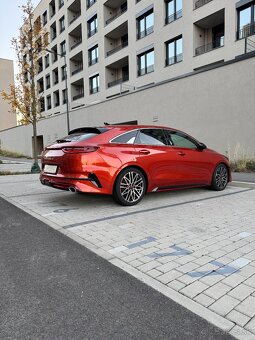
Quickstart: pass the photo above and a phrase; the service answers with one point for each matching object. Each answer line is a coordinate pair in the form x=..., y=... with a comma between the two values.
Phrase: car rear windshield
x=82, y=134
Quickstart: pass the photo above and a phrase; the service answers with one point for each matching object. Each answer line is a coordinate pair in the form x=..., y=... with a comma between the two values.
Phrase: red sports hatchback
x=128, y=161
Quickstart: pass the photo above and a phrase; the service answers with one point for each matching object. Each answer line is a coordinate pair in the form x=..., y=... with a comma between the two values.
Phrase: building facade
x=186, y=64
x=7, y=119
x=115, y=46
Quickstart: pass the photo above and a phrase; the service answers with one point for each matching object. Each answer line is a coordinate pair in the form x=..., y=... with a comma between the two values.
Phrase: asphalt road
x=53, y=288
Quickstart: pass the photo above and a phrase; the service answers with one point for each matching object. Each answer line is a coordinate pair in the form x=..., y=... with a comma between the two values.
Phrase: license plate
x=50, y=169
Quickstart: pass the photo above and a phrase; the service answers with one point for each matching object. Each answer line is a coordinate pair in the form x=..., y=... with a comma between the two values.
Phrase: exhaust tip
x=72, y=189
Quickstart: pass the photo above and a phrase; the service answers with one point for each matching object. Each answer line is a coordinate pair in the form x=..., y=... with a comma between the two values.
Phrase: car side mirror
x=201, y=146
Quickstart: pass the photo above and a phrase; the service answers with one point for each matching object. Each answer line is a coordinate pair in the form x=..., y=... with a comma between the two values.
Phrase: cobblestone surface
x=200, y=243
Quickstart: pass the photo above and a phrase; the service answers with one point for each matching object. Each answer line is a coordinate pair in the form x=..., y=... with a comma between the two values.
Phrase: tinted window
x=126, y=138
x=75, y=137
x=180, y=140
x=151, y=137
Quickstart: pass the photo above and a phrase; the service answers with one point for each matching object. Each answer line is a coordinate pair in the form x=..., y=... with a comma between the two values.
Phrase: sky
x=10, y=21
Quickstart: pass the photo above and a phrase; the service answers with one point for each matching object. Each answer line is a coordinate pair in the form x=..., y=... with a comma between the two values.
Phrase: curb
x=242, y=184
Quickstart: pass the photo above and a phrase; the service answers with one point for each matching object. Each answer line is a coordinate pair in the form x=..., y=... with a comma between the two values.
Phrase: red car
x=128, y=161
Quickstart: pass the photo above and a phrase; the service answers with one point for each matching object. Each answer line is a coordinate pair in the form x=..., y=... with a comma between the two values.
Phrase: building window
x=54, y=54
x=145, y=24
x=52, y=8
x=173, y=10
x=92, y=26
x=146, y=63
x=44, y=18
x=64, y=96
x=93, y=55
x=94, y=84
x=62, y=24
x=55, y=76
x=53, y=31
x=47, y=61
x=174, y=51
x=56, y=98
x=42, y=104
x=48, y=102
x=90, y=3
x=63, y=48
x=246, y=21
x=60, y=3
x=47, y=79
x=63, y=72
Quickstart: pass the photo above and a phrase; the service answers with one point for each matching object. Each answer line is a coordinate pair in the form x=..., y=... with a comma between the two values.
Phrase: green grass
x=8, y=173
x=7, y=153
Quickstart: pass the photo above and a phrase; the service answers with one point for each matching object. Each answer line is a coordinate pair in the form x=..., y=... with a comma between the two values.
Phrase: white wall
x=216, y=107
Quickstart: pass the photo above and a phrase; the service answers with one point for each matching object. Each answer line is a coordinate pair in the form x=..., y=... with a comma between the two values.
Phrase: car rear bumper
x=90, y=184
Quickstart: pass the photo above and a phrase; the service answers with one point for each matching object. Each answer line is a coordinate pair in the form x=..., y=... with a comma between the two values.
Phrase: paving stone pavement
x=196, y=243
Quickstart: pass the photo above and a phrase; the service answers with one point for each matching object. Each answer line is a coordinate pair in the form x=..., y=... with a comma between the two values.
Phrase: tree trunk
x=35, y=156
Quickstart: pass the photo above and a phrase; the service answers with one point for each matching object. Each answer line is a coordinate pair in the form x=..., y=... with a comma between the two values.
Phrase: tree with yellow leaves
x=23, y=96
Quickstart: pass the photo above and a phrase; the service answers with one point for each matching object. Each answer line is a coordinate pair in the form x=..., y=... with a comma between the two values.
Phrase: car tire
x=129, y=187
x=220, y=178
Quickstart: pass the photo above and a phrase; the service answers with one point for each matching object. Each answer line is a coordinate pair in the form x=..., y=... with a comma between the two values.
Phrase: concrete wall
x=215, y=106
x=7, y=119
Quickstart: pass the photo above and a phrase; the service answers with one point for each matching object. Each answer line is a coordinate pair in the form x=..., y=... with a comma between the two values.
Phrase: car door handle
x=181, y=153
x=144, y=152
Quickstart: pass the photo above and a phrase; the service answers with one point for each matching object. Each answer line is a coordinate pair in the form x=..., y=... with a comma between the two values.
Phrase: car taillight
x=84, y=149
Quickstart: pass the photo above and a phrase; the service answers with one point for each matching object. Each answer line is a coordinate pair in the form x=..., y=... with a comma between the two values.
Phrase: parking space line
x=79, y=224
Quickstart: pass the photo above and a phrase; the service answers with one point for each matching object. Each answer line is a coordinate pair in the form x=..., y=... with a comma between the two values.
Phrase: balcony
x=76, y=64
x=173, y=17
x=77, y=89
x=246, y=31
x=78, y=96
x=200, y=3
x=75, y=37
x=114, y=9
x=210, y=46
x=117, y=14
x=117, y=72
x=118, y=81
x=74, y=11
x=118, y=48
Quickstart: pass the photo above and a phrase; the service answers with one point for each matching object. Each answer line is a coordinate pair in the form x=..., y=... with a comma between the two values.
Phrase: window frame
x=139, y=56
x=252, y=22
x=167, y=43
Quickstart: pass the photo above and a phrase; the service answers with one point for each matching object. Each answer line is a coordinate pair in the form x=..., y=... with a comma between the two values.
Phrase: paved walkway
x=194, y=246
x=52, y=288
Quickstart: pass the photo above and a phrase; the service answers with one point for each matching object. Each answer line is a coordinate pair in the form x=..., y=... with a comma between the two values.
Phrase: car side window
x=126, y=138
x=151, y=137
x=182, y=141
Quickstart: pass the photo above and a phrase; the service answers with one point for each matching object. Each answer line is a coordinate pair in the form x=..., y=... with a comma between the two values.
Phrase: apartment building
x=115, y=46
x=7, y=119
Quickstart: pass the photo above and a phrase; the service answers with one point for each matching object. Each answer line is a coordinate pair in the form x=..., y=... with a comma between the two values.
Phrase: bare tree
x=23, y=96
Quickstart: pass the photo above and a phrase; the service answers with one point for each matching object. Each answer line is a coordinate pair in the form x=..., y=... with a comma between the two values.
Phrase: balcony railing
x=92, y=32
x=78, y=42
x=118, y=81
x=146, y=70
x=145, y=32
x=200, y=3
x=94, y=90
x=173, y=17
x=118, y=14
x=78, y=96
x=118, y=48
x=209, y=47
x=174, y=60
x=76, y=17
x=246, y=31
x=93, y=61
x=249, y=45
x=77, y=70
